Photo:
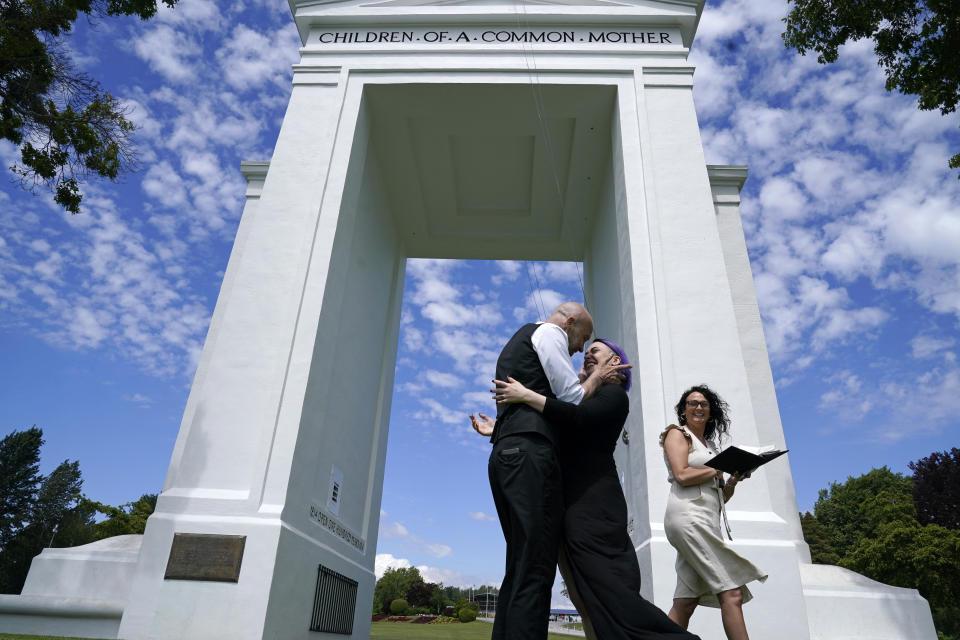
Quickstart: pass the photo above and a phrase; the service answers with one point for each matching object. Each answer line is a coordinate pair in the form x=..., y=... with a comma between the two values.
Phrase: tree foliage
x=917, y=42
x=925, y=558
x=869, y=524
x=419, y=593
x=57, y=516
x=817, y=538
x=936, y=488
x=399, y=607
x=66, y=126
x=854, y=510
x=19, y=479
x=394, y=583
x=437, y=600
x=39, y=511
x=123, y=520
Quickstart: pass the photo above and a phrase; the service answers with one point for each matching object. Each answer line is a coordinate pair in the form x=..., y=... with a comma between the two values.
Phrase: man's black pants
x=525, y=480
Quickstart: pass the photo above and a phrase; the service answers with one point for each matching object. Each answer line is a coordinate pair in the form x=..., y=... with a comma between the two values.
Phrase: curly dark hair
x=719, y=423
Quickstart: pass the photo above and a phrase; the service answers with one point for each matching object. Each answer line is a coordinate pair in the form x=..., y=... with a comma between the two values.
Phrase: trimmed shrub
x=399, y=607
x=467, y=614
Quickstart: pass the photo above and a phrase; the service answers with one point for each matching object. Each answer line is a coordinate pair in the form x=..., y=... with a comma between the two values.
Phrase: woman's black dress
x=601, y=556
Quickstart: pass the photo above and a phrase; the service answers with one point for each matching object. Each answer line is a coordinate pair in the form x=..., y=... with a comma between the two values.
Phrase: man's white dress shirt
x=552, y=347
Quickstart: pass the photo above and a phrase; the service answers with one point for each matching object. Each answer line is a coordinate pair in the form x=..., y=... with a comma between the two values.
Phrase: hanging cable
x=530, y=62
x=534, y=293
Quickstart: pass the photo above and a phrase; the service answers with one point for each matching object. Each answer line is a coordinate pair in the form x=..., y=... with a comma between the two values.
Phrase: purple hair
x=623, y=360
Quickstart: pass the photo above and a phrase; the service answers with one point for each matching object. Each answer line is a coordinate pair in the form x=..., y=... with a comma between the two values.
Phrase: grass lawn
x=470, y=631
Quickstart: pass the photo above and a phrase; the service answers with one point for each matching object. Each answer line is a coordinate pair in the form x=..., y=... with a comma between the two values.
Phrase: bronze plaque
x=203, y=556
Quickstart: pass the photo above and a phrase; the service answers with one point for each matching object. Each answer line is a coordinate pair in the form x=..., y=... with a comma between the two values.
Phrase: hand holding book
x=742, y=459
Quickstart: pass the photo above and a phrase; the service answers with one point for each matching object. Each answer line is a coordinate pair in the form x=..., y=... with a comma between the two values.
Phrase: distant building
x=486, y=603
x=565, y=615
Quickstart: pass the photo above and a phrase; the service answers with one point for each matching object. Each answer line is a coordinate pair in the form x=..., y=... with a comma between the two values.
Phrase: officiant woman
x=709, y=572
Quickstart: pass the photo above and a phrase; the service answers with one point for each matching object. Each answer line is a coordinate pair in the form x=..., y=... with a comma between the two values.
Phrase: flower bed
x=378, y=617
x=444, y=620
x=424, y=619
x=398, y=619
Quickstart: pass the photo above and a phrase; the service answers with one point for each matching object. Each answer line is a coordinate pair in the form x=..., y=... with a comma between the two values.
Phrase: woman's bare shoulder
x=679, y=431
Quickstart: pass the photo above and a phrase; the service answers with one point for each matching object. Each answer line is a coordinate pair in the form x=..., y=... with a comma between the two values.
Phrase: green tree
x=66, y=126
x=394, y=583
x=419, y=593
x=869, y=525
x=125, y=519
x=925, y=558
x=817, y=538
x=57, y=517
x=399, y=607
x=437, y=600
x=936, y=488
x=917, y=42
x=855, y=509
x=19, y=479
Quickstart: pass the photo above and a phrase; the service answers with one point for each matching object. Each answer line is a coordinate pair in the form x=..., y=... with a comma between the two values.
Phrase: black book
x=739, y=460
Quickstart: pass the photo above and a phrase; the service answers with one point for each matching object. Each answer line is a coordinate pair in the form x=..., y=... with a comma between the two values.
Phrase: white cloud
x=782, y=198
x=140, y=399
x=857, y=250
x=384, y=561
x=442, y=379
x=49, y=268
x=393, y=530
x=87, y=328
x=438, y=412
x=922, y=228
x=440, y=550
x=454, y=578
x=412, y=338
x=164, y=183
x=539, y=305
x=432, y=290
x=480, y=400
x=39, y=245
x=480, y=515
x=250, y=59
x=403, y=537
x=170, y=53
x=509, y=272
x=561, y=272
x=452, y=314
x=924, y=346
x=844, y=323
x=198, y=14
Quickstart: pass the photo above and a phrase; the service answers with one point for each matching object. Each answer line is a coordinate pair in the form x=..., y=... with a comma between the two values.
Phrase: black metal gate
x=334, y=603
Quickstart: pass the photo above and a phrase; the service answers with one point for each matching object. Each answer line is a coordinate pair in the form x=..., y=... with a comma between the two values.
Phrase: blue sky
x=851, y=215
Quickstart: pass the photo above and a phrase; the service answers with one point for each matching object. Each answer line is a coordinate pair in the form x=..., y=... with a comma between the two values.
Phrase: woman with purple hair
x=599, y=553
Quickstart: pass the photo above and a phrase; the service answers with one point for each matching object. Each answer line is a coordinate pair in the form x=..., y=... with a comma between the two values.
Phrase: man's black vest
x=520, y=361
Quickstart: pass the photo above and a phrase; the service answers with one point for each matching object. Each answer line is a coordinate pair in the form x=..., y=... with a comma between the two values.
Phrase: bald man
x=524, y=471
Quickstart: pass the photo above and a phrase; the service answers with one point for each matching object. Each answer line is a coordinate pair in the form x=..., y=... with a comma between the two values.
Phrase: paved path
x=553, y=627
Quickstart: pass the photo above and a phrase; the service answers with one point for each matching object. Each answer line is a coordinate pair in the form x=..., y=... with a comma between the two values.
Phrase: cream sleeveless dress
x=705, y=565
